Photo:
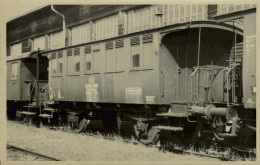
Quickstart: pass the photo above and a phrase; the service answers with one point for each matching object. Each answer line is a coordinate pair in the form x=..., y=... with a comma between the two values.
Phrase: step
x=169, y=128
x=172, y=114
x=49, y=109
x=31, y=106
x=27, y=113
x=45, y=116
x=50, y=102
x=224, y=135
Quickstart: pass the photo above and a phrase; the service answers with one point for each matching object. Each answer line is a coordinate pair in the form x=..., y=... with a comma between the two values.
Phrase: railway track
x=114, y=137
x=43, y=156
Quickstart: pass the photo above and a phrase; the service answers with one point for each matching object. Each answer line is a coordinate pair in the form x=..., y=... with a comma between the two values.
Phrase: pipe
x=63, y=23
x=37, y=78
x=198, y=65
x=208, y=111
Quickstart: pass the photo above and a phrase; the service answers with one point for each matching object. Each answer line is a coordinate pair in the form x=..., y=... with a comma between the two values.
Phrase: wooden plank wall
x=46, y=21
x=37, y=23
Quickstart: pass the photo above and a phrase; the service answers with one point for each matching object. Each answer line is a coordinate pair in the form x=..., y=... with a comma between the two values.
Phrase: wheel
x=83, y=124
x=146, y=133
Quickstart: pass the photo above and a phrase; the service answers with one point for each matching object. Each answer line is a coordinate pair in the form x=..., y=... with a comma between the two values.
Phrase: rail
x=9, y=146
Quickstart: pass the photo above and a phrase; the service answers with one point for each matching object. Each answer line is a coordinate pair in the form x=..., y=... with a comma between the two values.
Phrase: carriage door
x=14, y=92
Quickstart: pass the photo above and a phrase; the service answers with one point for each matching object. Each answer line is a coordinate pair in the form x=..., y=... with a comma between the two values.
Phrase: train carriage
x=183, y=69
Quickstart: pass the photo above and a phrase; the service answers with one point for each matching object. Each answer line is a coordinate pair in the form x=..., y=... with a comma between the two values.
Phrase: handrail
x=44, y=87
x=32, y=87
x=194, y=72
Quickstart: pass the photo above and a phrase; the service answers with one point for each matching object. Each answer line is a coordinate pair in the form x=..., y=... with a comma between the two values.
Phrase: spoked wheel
x=146, y=133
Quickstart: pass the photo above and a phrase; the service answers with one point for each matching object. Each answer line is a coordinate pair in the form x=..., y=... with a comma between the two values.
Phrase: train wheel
x=146, y=133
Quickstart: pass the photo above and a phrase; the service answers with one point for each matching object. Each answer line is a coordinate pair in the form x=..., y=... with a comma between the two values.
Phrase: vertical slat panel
x=230, y=8
x=16, y=50
x=39, y=42
x=106, y=27
x=56, y=40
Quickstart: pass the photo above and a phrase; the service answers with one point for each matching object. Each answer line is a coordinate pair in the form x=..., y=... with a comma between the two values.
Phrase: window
x=97, y=61
x=88, y=59
x=53, y=64
x=60, y=63
x=14, y=71
x=8, y=50
x=148, y=55
x=88, y=66
x=136, y=56
x=76, y=64
x=77, y=67
x=136, y=60
x=120, y=58
x=110, y=57
x=60, y=68
x=70, y=62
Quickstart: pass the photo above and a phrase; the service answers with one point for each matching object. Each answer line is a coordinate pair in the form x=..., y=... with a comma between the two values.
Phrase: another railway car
x=184, y=74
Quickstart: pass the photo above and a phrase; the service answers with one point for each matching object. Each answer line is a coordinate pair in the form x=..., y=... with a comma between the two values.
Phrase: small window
x=88, y=61
x=77, y=67
x=97, y=62
x=70, y=64
x=136, y=60
x=136, y=57
x=88, y=66
x=54, y=67
x=54, y=71
x=14, y=71
x=60, y=68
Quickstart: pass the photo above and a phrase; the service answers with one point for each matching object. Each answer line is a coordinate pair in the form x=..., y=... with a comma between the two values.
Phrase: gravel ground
x=70, y=146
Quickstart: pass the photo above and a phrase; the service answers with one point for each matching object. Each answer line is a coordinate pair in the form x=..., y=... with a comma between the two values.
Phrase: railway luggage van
x=183, y=75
